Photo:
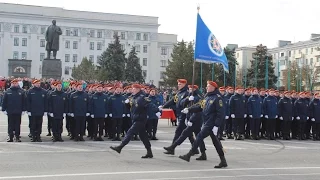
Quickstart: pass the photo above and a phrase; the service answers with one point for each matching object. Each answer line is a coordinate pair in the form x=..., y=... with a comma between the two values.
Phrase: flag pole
x=194, y=61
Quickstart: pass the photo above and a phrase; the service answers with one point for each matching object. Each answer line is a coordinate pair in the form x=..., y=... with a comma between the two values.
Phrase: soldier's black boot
x=81, y=138
x=223, y=163
x=170, y=149
x=54, y=138
x=60, y=138
x=34, y=139
x=49, y=133
x=117, y=148
x=187, y=156
x=39, y=139
x=10, y=139
x=203, y=157
x=148, y=155
x=18, y=139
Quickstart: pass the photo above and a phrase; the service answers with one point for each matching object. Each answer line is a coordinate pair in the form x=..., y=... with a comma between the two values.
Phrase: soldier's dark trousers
x=98, y=126
x=263, y=126
x=278, y=126
x=205, y=132
x=247, y=125
x=222, y=127
x=181, y=126
x=229, y=125
x=49, y=125
x=188, y=132
x=316, y=130
x=126, y=124
x=152, y=126
x=116, y=127
x=79, y=124
x=137, y=128
x=14, y=121
x=36, y=125
x=301, y=129
x=108, y=126
x=57, y=125
x=286, y=127
x=30, y=124
x=90, y=126
x=294, y=128
x=271, y=127
x=238, y=126
x=68, y=124
x=72, y=126
x=255, y=127
x=308, y=128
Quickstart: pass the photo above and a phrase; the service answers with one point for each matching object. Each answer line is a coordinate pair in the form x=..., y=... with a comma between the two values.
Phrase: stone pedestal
x=51, y=68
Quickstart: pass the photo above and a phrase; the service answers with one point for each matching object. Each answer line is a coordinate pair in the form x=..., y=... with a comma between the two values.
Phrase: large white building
x=85, y=34
x=244, y=56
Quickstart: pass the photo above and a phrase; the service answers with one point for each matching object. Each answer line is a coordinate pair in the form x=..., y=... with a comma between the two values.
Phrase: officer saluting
x=212, y=109
x=13, y=106
x=139, y=106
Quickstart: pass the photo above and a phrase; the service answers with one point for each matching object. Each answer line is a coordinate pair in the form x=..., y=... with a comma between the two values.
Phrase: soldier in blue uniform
x=286, y=114
x=237, y=105
x=213, y=113
x=315, y=116
x=254, y=107
x=13, y=106
x=270, y=111
x=230, y=92
x=108, y=120
x=127, y=119
x=294, y=124
x=69, y=118
x=98, y=112
x=57, y=108
x=79, y=109
x=247, y=95
x=139, y=105
x=50, y=119
x=301, y=109
x=37, y=108
x=153, y=118
x=226, y=115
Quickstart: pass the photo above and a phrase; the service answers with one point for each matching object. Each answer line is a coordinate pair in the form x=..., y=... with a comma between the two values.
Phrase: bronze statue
x=52, y=38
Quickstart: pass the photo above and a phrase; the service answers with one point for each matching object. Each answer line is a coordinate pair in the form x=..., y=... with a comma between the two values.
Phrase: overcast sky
x=242, y=22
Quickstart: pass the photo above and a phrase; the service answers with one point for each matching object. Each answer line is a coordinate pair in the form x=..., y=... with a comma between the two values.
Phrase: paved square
x=93, y=160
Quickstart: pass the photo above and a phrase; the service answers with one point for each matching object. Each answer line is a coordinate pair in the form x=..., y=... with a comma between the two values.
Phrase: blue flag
x=207, y=47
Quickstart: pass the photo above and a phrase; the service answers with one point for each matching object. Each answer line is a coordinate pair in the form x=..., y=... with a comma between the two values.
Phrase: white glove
x=307, y=118
x=276, y=116
x=23, y=112
x=215, y=130
x=312, y=119
x=5, y=112
x=45, y=114
x=0, y=108
x=292, y=118
x=186, y=122
x=51, y=114
x=71, y=114
x=160, y=108
x=261, y=115
x=128, y=115
x=110, y=115
x=250, y=116
x=126, y=101
x=64, y=114
x=227, y=117
x=87, y=114
x=245, y=116
x=92, y=116
x=233, y=116
x=185, y=111
x=158, y=114
x=191, y=98
x=266, y=116
x=29, y=113
x=298, y=118
x=281, y=118
x=106, y=115
x=123, y=115
x=189, y=124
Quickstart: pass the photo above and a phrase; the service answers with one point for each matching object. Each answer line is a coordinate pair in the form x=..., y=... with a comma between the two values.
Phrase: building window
x=75, y=58
x=66, y=70
x=99, y=46
x=122, y=47
x=43, y=30
x=311, y=51
x=42, y=56
x=299, y=51
x=92, y=32
x=99, y=34
x=138, y=36
x=75, y=44
x=237, y=55
x=307, y=51
x=311, y=61
x=24, y=41
x=162, y=75
x=75, y=32
x=91, y=58
x=24, y=55
x=98, y=58
x=91, y=45
x=163, y=63
x=163, y=51
x=115, y=33
x=145, y=37
x=145, y=49
x=15, y=55
x=68, y=44
x=40, y=69
x=16, y=41
x=42, y=42
x=144, y=73
x=137, y=48
x=318, y=59
x=281, y=54
x=144, y=61
x=16, y=29
x=123, y=35
x=306, y=61
x=289, y=53
x=67, y=32
x=67, y=58
x=24, y=29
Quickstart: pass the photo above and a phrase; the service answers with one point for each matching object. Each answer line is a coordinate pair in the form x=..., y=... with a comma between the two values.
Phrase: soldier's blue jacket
x=116, y=105
x=237, y=104
x=315, y=110
x=212, y=109
x=58, y=104
x=79, y=103
x=37, y=101
x=14, y=101
x=254, y=106
x=285, y=107
x=126, y=110
x=226, y=105
x=301, y=109
x=155, y=100
x=99, y=105
x=181, y=94
x=195, y=118
x=270, y=107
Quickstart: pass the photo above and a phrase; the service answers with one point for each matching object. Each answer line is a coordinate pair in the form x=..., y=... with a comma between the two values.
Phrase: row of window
x=16, y=55
x=306, y=52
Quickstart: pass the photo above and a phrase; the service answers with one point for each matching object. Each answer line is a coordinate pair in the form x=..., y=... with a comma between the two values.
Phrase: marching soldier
x=153, y=118
x=286, y=114
x=212, y=109
x=13, y=106
x=139, y=105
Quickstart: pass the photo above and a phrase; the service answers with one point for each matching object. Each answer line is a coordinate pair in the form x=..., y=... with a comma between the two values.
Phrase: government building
x=84, y=34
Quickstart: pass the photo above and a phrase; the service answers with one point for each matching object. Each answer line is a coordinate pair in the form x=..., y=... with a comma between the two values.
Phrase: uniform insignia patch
x=220, y=103
x=85, y=99
x=136, y=105
x=181, y=96
x=19, y=93
x=64, y=98
x=42, y=95
x=211, y=101
x=104, y=100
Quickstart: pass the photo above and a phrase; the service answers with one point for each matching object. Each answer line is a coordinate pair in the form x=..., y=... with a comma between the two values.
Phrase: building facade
x=244, y=56
x=84, y=34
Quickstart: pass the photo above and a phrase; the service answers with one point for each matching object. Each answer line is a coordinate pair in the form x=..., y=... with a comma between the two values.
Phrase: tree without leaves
x=85, y=71
x=133, y=72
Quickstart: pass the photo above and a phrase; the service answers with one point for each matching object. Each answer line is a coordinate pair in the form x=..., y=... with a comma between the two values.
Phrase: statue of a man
x=52, y=38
